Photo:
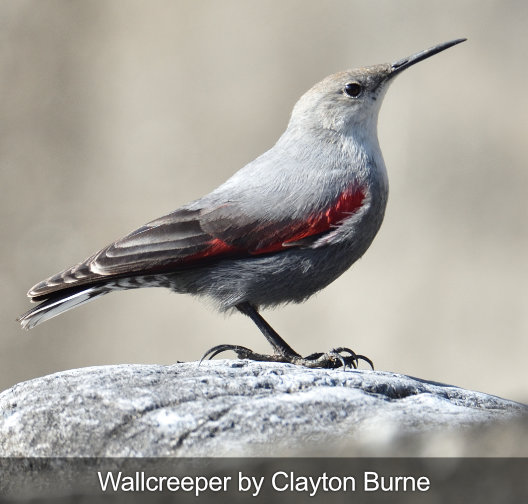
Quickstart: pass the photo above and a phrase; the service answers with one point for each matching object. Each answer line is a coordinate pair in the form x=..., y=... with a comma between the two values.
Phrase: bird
x=280, y=229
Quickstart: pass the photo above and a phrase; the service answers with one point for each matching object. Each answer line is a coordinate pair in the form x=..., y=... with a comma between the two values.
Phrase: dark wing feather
x=162, y=243
x=188, y=237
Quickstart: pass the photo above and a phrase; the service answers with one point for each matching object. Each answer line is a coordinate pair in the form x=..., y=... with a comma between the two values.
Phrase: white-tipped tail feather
x=53, y=307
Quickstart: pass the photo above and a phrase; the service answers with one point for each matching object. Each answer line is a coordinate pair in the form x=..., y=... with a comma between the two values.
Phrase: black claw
x=350, y=360
x=330, y=360
x=339, y=357
x=355, y=357
x=345, y=349
x=213, y=352
x=365, y=359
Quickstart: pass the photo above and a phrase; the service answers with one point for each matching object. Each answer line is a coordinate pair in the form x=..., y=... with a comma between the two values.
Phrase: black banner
x=365, y=480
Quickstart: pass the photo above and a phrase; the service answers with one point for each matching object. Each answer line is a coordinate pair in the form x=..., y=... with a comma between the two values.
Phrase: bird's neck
x=362, y=145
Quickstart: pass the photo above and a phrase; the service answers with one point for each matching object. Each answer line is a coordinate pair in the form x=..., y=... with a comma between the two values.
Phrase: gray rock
x=228, y=407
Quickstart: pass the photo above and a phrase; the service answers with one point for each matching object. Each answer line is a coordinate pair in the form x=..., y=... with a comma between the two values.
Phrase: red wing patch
x=216, y=247
x=183, y=231
x=348, y=203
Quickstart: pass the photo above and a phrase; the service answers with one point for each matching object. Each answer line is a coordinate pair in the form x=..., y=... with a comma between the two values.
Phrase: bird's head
x=349, y=101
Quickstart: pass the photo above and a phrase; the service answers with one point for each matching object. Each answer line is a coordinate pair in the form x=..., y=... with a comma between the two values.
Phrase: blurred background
x=113, y=113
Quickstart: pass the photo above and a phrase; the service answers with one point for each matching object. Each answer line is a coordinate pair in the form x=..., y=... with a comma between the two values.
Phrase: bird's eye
x=352, y=89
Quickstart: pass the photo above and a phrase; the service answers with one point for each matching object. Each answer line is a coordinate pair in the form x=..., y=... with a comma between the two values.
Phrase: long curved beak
x=405, y=63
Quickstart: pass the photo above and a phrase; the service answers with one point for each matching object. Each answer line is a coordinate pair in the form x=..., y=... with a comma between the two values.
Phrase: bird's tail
x=60, y=303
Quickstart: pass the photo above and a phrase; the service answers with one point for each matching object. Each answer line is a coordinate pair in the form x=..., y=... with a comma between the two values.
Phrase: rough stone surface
x=230, y=408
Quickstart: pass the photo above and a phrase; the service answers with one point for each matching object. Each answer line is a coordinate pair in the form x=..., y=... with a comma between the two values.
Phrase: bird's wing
x=191, y=237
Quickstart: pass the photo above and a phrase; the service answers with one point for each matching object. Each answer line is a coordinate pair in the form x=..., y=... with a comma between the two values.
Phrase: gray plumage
x=280, y=229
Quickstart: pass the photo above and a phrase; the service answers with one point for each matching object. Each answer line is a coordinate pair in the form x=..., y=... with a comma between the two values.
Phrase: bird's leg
x=279, y=345
x=284, y=352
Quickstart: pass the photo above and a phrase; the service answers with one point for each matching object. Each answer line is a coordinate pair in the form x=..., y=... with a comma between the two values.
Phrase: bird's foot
x=329, y=360
x=335, y=359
